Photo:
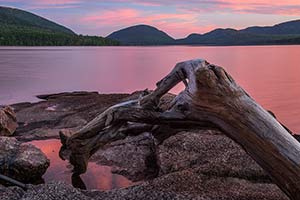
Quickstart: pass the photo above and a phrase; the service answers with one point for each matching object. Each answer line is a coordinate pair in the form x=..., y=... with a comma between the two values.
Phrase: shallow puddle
x=96, y=177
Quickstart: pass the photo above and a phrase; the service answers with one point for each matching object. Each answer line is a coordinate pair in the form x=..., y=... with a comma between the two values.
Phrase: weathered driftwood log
x=211, y=99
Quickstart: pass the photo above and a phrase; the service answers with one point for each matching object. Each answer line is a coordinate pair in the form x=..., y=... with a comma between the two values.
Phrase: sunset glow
x=177, y=18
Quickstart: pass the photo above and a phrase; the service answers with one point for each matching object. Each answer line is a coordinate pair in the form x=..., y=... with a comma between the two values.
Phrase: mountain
x=286, y=28
x=228, y=37
x=141, y=35
x=12, y=17
x=284, y=33
x=21, y=28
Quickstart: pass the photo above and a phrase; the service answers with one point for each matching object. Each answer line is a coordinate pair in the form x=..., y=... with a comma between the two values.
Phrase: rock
x=49, y=191
x=141, y=192
x=23, y=162
x=183, y=185
x=70, y=110
x=204, y=164
x=43, y=120
x=193, y=184
x=191, y=169
x=215, y=153
x=8, y=121
x=54, y=191
x=133, y=157
x=11, y=193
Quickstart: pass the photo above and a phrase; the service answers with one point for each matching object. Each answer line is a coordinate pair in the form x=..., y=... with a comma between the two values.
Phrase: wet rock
x=133, y=157
x=8, y=121
x=23, y=162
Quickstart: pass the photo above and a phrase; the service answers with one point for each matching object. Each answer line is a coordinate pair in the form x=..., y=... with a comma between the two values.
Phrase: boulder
x=204, y=165
x=210, y=150
x=23, y=162
x=133, y=157
x=8, y=121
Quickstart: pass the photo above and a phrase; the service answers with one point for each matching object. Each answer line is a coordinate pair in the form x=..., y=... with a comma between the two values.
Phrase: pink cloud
x=41, y=4
x=46, y=2
x=286, y=7
x=112, y=17
x=177, y=24
x=57, y=2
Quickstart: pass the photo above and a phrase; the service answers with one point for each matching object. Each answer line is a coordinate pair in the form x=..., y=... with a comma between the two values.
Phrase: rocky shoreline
x=200, y=164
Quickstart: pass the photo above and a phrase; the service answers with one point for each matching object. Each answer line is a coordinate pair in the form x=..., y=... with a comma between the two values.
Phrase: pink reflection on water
x=96, y=177
x=270, y=74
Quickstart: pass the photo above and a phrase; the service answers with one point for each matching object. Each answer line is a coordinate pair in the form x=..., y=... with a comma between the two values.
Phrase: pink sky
x=176, y=17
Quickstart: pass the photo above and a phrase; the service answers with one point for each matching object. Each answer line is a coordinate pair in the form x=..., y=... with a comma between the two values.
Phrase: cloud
x=42, y=4
x=286, y=7
x=177, y=24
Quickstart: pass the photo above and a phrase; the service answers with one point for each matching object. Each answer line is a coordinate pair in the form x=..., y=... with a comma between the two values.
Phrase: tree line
x=24, y=36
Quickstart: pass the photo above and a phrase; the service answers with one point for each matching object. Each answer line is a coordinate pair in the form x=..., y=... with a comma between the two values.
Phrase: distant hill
x=232, y=37
x=21, y=28
x=10, y=17
x=141, y=35
x=284, y=33
x=286, y=28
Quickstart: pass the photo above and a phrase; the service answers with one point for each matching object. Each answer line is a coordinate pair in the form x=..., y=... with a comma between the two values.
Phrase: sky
x=178, y=18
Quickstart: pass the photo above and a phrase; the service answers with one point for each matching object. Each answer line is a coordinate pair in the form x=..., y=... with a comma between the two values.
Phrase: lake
x=270, y=74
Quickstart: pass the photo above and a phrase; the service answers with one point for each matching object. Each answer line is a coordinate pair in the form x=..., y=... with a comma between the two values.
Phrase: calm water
x=96, y=177
x=270, y=74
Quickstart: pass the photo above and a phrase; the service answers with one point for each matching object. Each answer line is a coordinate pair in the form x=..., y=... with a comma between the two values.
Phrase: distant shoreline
x=169, y=45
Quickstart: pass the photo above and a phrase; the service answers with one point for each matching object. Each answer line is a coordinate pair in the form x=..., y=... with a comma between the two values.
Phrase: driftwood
x=211, y=99
x=13, y=181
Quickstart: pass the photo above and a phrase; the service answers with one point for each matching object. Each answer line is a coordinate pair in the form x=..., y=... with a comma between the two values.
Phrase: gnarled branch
x=211, y=99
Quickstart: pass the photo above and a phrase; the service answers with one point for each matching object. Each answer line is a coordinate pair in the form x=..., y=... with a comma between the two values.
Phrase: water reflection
x=270, y=74
x=96, y=177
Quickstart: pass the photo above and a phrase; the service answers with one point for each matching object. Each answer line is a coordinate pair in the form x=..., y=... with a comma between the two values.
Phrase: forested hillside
x=21, y=28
